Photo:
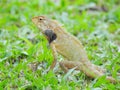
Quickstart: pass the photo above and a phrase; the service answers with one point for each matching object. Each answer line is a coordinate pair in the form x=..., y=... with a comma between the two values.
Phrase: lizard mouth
x=34, y=20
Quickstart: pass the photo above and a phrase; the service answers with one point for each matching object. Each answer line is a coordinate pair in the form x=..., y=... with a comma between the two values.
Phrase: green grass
x=21, y=43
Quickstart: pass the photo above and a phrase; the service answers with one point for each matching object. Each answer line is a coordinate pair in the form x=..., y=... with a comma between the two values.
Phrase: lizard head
x=47, y=26
x=44, y=23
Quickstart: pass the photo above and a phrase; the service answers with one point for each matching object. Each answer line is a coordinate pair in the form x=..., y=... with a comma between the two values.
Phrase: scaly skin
x=69, y=47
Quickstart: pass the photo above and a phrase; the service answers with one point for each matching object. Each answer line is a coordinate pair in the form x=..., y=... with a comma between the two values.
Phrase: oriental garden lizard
x=69, y=47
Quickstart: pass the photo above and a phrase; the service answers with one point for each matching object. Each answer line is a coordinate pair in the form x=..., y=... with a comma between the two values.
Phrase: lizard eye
x=40, y=19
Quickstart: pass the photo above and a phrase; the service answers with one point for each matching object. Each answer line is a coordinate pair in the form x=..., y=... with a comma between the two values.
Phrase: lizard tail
x=93, y=72
x=111, y=79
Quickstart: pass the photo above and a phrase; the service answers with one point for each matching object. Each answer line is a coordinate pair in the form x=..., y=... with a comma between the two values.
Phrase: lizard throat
x=50, y=35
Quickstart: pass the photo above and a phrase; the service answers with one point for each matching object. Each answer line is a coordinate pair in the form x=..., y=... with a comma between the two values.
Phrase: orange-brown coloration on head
x=44, y=23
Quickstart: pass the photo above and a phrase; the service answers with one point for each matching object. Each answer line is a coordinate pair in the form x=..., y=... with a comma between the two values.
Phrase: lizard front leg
x=54, y=52
x=51, y=36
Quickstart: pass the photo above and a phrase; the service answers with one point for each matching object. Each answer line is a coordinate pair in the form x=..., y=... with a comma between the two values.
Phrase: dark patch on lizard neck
x=51, y=35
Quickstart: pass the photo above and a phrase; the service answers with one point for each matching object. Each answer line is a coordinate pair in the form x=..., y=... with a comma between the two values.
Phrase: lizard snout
x=34, y=20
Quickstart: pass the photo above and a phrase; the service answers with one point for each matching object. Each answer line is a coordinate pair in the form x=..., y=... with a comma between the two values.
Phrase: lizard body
x=69, y=47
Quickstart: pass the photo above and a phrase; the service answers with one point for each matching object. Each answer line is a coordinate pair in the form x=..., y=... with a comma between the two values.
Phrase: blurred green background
x=22, y=47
